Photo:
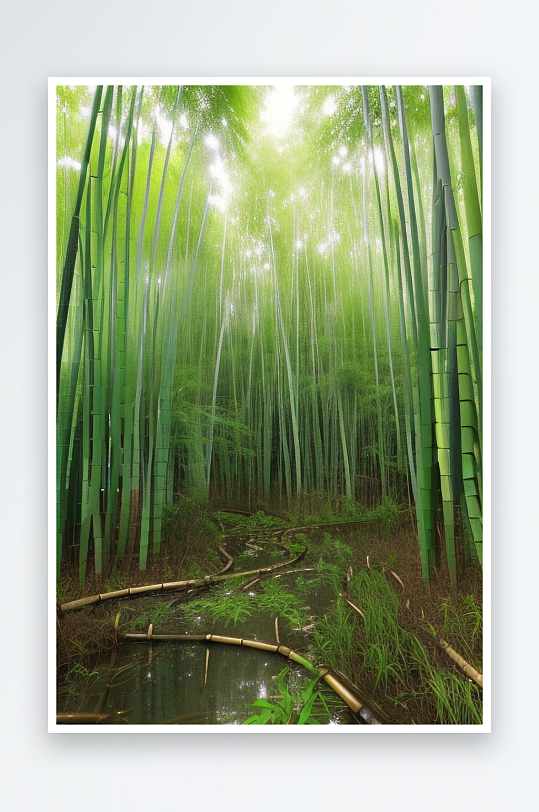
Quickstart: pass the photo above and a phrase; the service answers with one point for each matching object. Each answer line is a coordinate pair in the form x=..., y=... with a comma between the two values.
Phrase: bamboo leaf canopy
x=264, y=292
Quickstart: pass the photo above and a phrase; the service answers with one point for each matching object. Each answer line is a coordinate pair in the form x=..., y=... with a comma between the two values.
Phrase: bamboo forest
x=269, y=336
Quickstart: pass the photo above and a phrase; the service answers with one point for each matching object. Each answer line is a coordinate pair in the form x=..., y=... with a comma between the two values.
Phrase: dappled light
x=270, y=297
x=279, y=109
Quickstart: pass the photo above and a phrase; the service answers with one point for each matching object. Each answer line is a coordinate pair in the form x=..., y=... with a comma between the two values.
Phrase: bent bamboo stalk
x=330, y=679
x=192, y=582
x=229, y=562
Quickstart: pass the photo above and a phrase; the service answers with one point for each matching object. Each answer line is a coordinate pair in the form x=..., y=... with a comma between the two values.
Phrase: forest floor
x=429, y=610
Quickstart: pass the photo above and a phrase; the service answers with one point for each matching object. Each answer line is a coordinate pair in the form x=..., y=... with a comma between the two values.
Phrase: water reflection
x=168, y=684
x=185, y=683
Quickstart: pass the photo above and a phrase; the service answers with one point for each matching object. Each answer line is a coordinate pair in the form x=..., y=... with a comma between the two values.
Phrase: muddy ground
x=85, y=633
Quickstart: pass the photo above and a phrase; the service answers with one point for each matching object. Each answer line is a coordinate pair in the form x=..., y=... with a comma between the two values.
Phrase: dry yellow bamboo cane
x=261, y=646
x=136, y=636
x=85, y=718
x=468, y=669
x=461, y=662
x=229, y=558
x=218, y=638
x=341, y=690
x=119, y=593
x=207, y=664
x=288, y=530
x=139, y=590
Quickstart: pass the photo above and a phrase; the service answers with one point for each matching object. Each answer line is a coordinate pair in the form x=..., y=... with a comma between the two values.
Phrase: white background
x=251, y=39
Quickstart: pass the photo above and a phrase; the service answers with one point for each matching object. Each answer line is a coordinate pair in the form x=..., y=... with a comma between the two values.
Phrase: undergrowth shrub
x=386, y=659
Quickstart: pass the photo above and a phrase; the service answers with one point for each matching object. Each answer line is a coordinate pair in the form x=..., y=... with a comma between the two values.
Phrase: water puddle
x=199, y=682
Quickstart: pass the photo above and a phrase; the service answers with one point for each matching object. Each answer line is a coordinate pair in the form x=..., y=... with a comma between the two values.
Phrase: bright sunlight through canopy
x=280, y=106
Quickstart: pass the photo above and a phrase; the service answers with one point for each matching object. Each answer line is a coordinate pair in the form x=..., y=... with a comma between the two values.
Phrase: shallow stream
x=207, y=683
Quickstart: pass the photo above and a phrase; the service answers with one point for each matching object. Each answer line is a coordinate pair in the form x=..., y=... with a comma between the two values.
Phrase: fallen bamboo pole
x=235, y=512
x=208, y=579
x=326, y=524
x=192, y=582
x=283, y=531
x=468, y=669
x=330, y=679
x=86, y=718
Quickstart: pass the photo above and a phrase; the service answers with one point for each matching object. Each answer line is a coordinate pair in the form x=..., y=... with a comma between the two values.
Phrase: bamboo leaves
x=303, y=335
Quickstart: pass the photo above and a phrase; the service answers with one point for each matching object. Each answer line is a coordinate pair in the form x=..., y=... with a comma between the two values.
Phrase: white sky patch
x=164, y=124
x=212, y=142
x=281, y=104
x=219, y=173
x=143, y=131
x=68, y=163
x=329, y=106
x=379, y=162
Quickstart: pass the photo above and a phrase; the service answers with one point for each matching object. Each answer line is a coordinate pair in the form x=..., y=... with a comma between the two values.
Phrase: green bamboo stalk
x=386, y=288
x=292, y=397
x=468, y=364
x=117, y=329
x=476, y=92
x=472, y=206
x=73, y=242
x=128, y=385
x=422, y=409
x=442, y=352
